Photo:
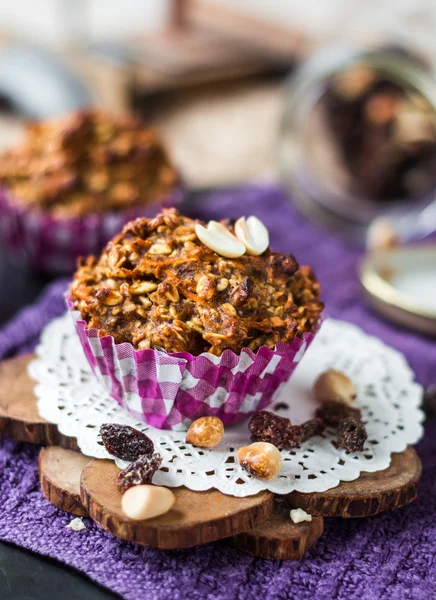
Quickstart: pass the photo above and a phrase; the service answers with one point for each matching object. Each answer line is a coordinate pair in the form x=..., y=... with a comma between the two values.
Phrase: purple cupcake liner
x=52, y=245
x=170, y=390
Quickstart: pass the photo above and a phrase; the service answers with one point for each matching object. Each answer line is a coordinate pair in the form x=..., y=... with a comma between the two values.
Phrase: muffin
x=73, y=182
x=232, y=329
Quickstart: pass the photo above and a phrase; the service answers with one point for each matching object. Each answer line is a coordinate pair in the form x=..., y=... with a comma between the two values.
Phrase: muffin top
x=156, y=285
x=87, y=162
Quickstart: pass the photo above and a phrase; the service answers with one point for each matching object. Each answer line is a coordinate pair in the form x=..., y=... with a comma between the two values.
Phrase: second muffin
x=74, y=181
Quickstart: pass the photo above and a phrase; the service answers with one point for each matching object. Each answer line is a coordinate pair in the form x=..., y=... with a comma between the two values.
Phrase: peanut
x=205, y=432
x=261, y=459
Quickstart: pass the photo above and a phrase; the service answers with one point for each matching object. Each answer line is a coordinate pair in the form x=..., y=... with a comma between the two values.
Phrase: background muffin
x=74, y=181
x=156, y=285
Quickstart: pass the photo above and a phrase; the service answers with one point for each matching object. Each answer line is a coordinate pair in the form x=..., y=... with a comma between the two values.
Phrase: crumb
x=76, y=524
x=298, y=515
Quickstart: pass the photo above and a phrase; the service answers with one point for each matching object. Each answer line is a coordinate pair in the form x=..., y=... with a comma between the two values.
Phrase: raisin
x=268, y=427
x=292, y=437
x=139, y=472
x=281, y=267
x=125, y=442
x=312, y=427
x=243, y=292
x=333, y=412
x=351, y=435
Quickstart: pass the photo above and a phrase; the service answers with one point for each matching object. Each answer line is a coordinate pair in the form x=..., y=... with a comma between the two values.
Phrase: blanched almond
x=146, y=501
x=219, y=239
x=253, y=233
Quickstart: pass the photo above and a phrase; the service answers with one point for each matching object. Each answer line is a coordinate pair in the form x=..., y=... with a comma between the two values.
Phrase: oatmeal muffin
x=156, y=285
x=87, y=162
x=75, y=181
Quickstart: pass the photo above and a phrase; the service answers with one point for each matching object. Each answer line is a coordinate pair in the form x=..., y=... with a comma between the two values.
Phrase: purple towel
x=392, y=556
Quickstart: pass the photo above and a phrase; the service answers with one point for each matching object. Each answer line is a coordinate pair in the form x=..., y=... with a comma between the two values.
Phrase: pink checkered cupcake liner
x=170, y=390
x=52, y=245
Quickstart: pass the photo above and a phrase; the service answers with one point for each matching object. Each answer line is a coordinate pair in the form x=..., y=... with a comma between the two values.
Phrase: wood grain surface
x=196, y=517
x=19, y=417
x=277, y=537
x=368, y=495
x=59, y=474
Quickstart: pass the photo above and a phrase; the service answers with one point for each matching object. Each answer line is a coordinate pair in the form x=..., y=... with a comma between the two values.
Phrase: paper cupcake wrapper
x=52, y=245
x=169, y=391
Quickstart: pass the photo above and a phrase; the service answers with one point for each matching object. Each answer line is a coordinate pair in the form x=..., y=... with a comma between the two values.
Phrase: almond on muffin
x=156, y=285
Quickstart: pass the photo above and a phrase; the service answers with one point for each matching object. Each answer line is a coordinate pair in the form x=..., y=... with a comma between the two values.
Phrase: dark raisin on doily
x=293, y=437
x=268, y=427
x=265, y=426
x=139, y=472
x=312, y=427
x=351, y=435
x=332, y=413
x=125, y=442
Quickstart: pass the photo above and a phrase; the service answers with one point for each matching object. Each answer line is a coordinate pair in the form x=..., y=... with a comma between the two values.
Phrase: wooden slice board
x=203, y=514
x=59, y=474
x=368, y=495
x=197, y=517
x=19, y=417
x=278, y=537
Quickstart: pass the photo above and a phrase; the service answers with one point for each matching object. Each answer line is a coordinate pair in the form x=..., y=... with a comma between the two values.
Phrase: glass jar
x=358, y=140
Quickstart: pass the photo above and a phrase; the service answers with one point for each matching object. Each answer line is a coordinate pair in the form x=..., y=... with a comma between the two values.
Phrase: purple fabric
x=169, y=390
x=380, y=558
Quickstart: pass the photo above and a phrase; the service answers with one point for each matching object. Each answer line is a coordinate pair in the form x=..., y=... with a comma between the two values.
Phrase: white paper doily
x=70, y=396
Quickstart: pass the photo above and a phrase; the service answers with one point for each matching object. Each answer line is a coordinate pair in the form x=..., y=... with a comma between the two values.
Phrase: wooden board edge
x=170, y=538
x=53, y=489
x=347, y=503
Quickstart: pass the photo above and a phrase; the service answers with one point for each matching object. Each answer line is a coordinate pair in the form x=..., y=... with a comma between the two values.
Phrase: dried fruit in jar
x=205, y=432
x=260, y=459
x=351, y=435
x=125, y=442
x=332, y=413
x=139, y=472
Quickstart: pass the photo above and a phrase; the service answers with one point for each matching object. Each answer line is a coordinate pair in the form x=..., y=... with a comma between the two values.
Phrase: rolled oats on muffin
x=157, y=286
x=176, y=330
x=74, y=181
